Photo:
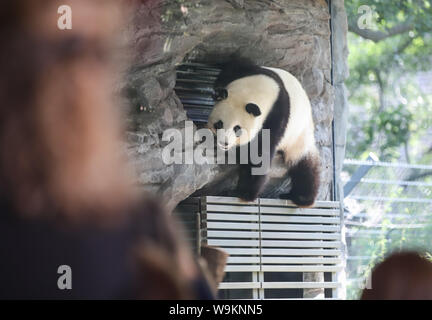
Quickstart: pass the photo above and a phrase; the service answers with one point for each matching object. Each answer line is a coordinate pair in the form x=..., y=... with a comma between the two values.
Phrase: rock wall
x=293, y=35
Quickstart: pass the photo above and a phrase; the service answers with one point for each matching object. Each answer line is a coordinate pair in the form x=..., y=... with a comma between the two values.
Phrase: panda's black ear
x=253, y=109
x=220, y=94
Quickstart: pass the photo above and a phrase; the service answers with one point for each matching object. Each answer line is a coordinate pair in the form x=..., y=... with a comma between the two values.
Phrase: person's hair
x=61, y=144
x=60, y=132
x=401, y=276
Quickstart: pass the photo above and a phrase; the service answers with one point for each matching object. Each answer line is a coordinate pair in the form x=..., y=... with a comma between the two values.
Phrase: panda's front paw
x=299, y=200
x=249, y=186
x=248, y=198
x=246, y=194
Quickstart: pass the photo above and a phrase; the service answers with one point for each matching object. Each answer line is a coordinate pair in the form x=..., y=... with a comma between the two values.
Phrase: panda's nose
x=226, y=144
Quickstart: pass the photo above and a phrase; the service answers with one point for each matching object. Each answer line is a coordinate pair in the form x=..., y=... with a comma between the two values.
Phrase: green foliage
x=394, y=124
x=393, y=111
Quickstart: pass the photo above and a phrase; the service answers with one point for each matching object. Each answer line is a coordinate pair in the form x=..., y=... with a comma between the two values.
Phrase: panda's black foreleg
x=305, y=179
x=250, y=186
x=253, y=175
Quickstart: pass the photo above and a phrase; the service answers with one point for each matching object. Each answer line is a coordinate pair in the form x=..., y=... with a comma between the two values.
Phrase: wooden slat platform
x=274, y=236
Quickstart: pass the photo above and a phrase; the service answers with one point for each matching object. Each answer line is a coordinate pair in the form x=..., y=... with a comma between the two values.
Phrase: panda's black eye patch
x=220, y=94
x=253, y=109
x=218, y=125
x=237, y=131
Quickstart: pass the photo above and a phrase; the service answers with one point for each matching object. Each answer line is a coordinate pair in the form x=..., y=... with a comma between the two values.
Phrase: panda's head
x=241, y=110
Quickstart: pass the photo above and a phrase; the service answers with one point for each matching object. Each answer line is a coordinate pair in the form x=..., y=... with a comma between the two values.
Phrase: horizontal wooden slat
x=299, y=211
x=282, y=260
x=296, y=219
x=239, y=285
x=230, y=217
x=297, y=235
x=300, y=244
x=300, y=260
x=233, y=243
x=232, y=225
x=232, y=234
x=298, y=227
x=271, y=226
x=300, y=285
x=270, y=235
x=268, y=218
x=227, y=208
x=278, y=285
x=242, y=268
x=282, y=252
x=273, y=243
x=299, y=252
x=301, y=299
x=301, y=268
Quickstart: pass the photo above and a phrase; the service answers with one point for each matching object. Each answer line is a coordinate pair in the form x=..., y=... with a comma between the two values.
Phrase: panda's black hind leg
x=305, y=180
x=249, y=186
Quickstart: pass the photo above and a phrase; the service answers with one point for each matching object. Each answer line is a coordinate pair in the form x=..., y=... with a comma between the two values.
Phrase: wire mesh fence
x=387, y=209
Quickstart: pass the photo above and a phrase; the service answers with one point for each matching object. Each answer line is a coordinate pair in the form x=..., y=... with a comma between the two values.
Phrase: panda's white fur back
x=299, y=139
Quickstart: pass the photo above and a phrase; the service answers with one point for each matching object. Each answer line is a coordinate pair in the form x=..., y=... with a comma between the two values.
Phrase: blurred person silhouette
x=67, y=196
x=401, y=276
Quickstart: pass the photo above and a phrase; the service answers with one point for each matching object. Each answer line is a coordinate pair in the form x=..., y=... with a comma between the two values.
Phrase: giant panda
x=252, y=97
